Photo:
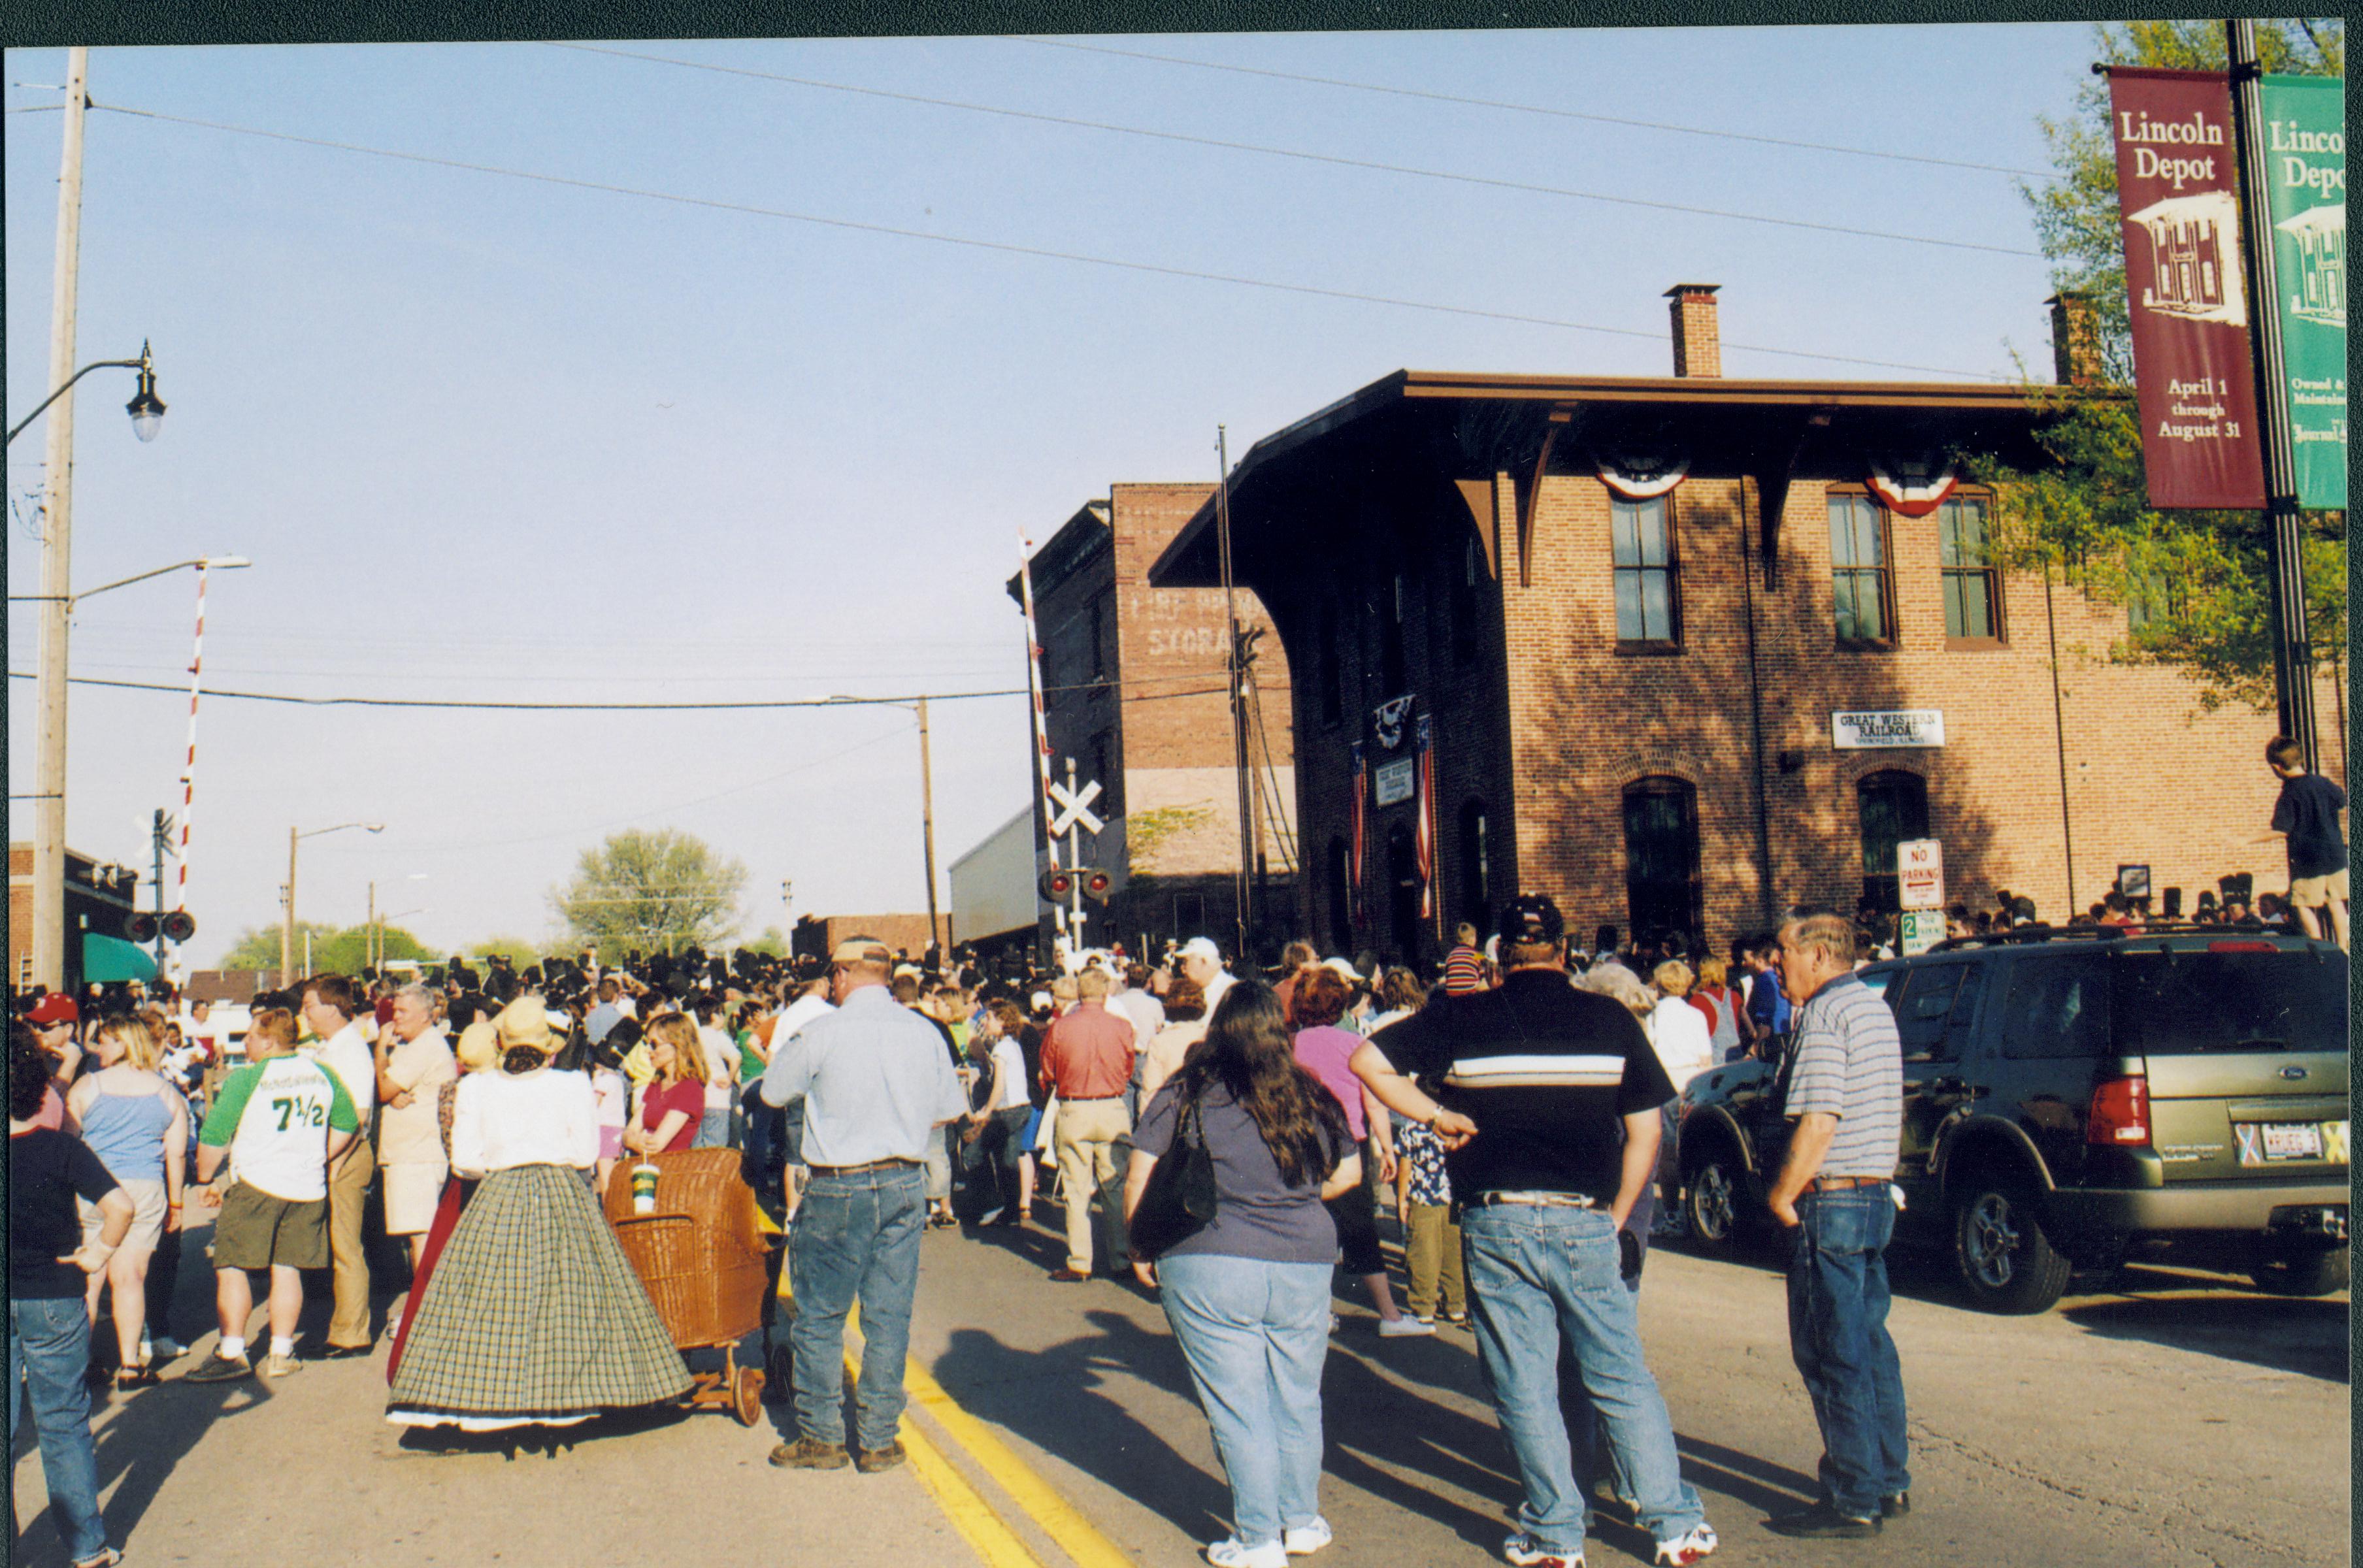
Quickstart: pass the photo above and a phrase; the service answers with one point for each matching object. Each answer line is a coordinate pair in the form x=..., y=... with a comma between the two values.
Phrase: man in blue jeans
x=1846, y=1099
x=875, y=1081
x=1546, y=1100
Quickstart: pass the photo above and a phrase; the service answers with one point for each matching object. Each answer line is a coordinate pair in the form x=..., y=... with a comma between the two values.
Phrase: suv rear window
x=2176, y=1002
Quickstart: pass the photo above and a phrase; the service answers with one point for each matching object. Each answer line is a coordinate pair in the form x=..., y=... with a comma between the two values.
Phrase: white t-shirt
x=275, y=1118
x=541, y=1117
x=1685, y=1045
x=1148, y=1015
x=612, y=1093
x=347, y=1054
x=801, y=1011
x=721, y=1067
x=1011, y=1061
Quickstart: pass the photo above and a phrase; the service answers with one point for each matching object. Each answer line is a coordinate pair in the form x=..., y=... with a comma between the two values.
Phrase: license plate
x=2289, y=1141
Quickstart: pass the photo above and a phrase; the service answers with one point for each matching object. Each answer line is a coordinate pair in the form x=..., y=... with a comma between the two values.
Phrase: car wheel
x=1715, y=1191
x=2314, y=1272
x=2005, y=1261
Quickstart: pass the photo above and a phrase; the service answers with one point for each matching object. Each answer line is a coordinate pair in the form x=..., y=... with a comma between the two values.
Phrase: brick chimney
x=1698, y=342
x=2075, y=344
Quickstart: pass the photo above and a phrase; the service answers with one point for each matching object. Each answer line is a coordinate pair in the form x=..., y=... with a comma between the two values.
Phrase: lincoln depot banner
x=2178, y=186
x=2306, y=147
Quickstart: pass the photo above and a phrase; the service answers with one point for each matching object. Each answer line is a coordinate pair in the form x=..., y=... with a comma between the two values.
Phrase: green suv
x=2074, y=1098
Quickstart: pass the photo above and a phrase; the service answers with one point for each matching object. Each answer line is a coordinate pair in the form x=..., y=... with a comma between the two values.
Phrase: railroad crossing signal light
x=179, y=926
x=1098, y=885
x=139, y=926
x=1057, y=885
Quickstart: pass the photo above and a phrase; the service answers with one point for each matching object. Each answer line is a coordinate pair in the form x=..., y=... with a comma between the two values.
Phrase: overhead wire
x=1010, y=248
x=1852, y=230
x=1538, y=109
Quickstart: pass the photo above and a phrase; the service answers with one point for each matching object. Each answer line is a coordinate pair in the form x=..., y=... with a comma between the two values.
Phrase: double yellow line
x=970, y=1512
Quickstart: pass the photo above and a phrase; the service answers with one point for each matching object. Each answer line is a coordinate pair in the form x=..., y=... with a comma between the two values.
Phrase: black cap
x=1531, y=920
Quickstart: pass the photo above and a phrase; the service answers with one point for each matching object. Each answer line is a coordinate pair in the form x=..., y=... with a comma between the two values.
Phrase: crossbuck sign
x=1074, y=808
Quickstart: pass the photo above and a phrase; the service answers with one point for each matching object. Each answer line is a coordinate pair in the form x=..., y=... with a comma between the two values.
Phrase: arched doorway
x=1402, y=894
x=1662, y=890
x=1477, y=850
x=1340, y=895
x=1894, y=806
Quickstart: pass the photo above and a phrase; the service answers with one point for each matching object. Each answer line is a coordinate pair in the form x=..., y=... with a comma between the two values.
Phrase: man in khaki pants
x=1087, y=1062
x=329, y=1006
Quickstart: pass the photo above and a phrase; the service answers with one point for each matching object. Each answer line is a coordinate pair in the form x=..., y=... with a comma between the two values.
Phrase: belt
x=1086, y=1098
x=1840, y=1183
x=1533, y=1200
x=867, y=1166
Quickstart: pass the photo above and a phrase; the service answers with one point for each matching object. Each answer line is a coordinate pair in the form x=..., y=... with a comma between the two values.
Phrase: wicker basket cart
x=701, y=1255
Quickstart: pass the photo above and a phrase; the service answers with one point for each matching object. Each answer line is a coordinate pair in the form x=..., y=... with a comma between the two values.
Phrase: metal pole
x=1242, y=890
x=927, y=822
x=287, y=924
x=1075, y=862
x=1041, y=722
x=157, y=837
x=2059, y=738
x=57, y=548
x=369, y=931
x=2284, y=545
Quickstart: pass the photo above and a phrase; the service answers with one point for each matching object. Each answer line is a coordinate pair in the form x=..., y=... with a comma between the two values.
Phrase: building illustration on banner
x=2318, y=293
x=2194, y=258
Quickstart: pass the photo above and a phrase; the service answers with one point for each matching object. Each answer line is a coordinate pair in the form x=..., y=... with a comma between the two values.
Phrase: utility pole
x=927, y=822
x=2284, y=544
x=287, y=926
x=1243, y=887
x=160, y=836
x=370, y=939
x=57, y=545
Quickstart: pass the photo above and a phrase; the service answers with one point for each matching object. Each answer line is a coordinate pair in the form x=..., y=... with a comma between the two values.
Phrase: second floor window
x=1858, y=582
x=1972, y=586
x=1641, y=535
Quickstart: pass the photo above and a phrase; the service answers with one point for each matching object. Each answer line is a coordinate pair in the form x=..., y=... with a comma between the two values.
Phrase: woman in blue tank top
x=138, y=1124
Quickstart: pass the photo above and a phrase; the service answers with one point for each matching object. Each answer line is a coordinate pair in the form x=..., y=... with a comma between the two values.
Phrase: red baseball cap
x=54, y=1009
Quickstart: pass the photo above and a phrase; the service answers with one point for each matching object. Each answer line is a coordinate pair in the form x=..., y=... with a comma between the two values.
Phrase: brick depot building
x=1135, y=690
x=1683, y=666
x=99, y=900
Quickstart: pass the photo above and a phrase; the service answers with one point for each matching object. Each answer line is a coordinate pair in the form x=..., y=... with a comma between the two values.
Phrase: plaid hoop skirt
x=532, y=1316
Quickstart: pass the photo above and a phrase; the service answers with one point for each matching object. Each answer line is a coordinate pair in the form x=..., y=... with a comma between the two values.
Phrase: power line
x=1521, y=186
x=1006, y=247
x=1541, y=109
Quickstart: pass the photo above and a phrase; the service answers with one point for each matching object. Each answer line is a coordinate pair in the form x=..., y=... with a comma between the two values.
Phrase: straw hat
x=524, y=1021
x=478, y=1047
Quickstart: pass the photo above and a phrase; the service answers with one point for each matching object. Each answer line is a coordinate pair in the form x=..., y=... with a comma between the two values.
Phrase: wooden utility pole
x=57, y=547
x=928, y=824
x=1234, y=664
x=287, y=922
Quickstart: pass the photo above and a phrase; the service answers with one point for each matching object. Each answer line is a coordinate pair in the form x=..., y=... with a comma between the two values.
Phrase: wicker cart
x=701, y=1255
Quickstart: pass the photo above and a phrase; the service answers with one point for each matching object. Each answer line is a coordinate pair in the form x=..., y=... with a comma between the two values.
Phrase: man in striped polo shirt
x=1846, y=1099
x=1546, y=1100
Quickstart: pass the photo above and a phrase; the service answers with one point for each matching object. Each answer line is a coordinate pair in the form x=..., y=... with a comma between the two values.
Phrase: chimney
x=2075, y=345
x=1698, y=342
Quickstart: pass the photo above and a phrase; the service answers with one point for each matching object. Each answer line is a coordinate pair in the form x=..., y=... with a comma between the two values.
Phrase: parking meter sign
x=1920, y=874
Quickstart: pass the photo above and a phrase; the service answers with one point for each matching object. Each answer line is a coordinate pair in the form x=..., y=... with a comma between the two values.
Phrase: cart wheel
x=747, y=1396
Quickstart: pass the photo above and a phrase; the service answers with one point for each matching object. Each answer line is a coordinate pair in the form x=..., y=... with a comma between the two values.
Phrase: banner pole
x=2284, y=543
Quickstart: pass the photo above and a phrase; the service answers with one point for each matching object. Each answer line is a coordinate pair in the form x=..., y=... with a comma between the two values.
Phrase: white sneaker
x=1403, y=1328
x=1307, y=1540
x=1229, y=1553
x=1525, y=1551
x=1687, y=1548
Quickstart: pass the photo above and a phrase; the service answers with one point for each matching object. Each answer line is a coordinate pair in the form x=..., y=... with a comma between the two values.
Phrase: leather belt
x=894, y=1164
x=1533, y=1200
x=1840, y=1183
x=1087, y=1099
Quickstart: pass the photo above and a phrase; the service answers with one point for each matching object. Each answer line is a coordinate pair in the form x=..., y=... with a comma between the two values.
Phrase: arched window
x=1894, y=806
x=1476, y=866
x=1662, y=892
x=1340, y=896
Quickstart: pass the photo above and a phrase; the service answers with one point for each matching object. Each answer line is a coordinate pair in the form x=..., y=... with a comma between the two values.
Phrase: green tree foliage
x=521, y=954
x=651, y=891
x=341, y=950
x=2195, y=582
x=773, y=944
x=258, y=947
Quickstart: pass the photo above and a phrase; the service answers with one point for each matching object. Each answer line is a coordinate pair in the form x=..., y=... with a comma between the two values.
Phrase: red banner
x=2178, y=186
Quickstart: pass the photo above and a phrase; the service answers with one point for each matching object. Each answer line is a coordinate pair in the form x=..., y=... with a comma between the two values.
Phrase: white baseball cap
x=1341, y=967
x=1201, y=947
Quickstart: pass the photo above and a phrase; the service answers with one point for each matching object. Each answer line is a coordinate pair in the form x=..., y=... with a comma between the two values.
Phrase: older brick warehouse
x=1136, y=693
x=1632, y=611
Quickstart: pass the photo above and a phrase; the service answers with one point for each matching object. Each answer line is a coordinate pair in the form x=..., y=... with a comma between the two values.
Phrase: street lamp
x=147, y=410
x=203, y=563
x=287, y=930
x=927, y=803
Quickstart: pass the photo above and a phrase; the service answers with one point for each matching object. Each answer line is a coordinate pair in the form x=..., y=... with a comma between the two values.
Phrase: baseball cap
x=54, y=1009
x=1531, y=918
x=1201, y=947
x=1341, y=967
x=861, y=950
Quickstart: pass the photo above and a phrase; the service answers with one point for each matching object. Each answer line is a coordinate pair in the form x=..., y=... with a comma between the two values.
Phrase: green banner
x=2305, y=145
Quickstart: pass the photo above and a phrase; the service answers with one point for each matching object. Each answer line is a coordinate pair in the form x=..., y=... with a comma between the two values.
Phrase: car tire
x=2004, y=1259
x=1715, y=1200
x=2316, y=1272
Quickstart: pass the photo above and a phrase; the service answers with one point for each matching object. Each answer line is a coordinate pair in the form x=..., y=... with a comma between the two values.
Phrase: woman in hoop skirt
x=531, y=1316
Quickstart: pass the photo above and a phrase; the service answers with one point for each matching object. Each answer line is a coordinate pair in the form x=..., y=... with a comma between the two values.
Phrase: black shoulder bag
x=1178, y=1200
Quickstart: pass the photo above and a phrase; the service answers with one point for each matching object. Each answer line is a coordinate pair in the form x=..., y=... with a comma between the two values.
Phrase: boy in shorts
x=277, y=1123
x=2307, y=813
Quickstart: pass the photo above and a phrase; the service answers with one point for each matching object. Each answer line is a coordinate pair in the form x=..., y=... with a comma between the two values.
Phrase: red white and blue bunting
x=1641, y=475
x=1912, y=488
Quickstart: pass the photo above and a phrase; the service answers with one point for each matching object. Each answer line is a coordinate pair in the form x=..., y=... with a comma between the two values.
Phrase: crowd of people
x=1225, y=1139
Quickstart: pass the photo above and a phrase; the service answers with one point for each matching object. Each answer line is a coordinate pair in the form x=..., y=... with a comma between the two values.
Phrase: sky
x=488, y=438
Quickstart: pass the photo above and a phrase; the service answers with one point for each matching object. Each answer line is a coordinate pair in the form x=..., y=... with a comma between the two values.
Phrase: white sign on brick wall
x=1395, y=781
x=1920, y=874
x=1899, y=727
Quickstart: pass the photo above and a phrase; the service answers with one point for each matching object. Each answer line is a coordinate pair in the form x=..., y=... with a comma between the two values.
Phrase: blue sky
x=488, y=438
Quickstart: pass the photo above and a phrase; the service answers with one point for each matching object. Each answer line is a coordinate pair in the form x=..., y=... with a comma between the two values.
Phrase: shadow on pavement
x=2307, y=1336
x=546, y=1442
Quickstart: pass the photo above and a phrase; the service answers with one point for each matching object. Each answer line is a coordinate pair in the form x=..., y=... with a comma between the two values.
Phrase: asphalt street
x=2173, y=1418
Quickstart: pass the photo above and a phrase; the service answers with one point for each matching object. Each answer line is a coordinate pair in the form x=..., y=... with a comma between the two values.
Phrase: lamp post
x=926, y=805
x=287, y=929
x=146, y=409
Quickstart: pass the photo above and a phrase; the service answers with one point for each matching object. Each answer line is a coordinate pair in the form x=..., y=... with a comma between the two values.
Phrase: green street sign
x=2305, y=149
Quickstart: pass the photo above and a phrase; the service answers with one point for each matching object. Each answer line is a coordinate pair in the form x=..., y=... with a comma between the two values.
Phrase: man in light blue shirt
x=875, y=1080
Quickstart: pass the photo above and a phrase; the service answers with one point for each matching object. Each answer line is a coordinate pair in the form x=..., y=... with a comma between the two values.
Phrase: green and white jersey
x=275, y=1117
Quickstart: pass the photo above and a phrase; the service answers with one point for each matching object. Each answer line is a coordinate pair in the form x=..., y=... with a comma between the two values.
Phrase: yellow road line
x=969, y=1513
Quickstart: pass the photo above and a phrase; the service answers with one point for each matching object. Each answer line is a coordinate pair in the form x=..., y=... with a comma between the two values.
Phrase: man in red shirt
x=1087, y=1062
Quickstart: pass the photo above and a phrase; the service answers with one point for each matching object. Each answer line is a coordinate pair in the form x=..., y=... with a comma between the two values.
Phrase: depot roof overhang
x=1462, y=427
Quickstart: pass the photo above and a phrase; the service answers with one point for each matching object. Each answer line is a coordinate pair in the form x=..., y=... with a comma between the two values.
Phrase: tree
x=258, y=947
x=2195, y=582
x=343, y=951
x=650, y=891
x=521, y=954
x=773, y=944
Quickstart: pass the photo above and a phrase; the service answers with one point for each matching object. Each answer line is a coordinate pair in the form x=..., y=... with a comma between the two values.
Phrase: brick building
x=1693, y=651
x=99, y=899
x=816, y=937
x=1135, y=691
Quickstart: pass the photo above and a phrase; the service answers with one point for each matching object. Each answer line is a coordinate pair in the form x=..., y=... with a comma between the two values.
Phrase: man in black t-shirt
x=1545, y=1100
x=2307, y=812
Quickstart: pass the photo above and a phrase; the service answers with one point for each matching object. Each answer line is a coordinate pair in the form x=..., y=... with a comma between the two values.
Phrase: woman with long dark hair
x=1247, y=1294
